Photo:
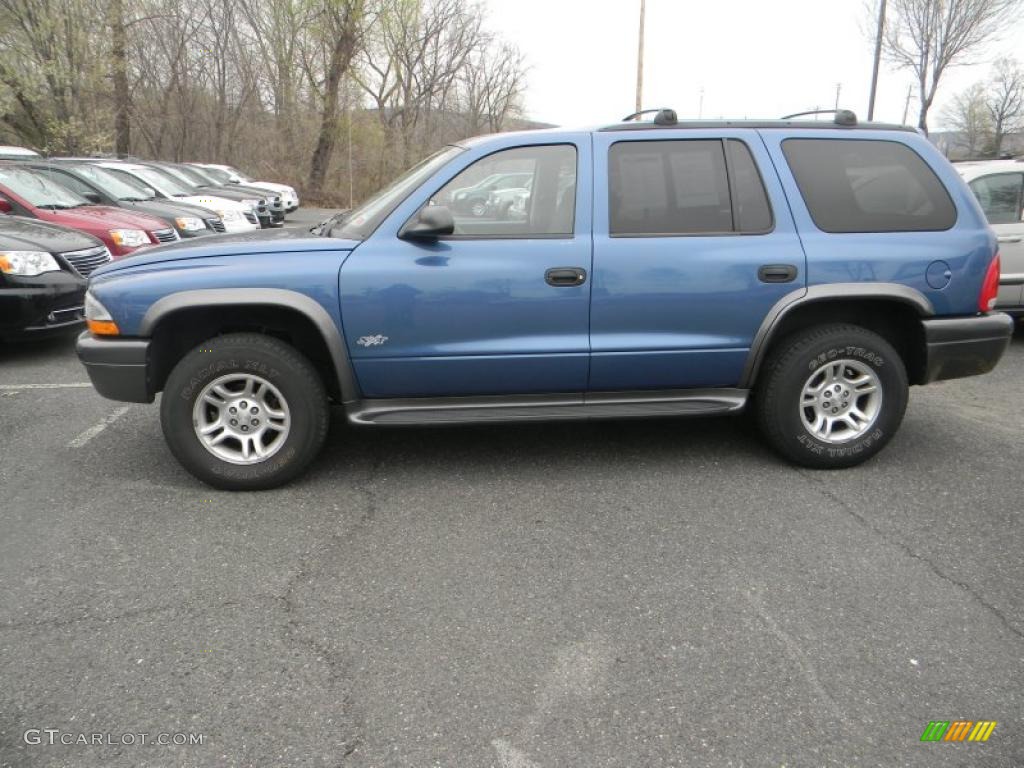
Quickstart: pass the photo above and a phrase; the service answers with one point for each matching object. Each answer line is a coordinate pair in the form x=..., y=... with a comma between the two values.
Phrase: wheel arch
x=892, y=310
x=179, y=321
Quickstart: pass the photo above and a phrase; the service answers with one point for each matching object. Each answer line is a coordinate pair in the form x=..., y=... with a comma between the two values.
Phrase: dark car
x=99, y=185
x=233, y=192
x=43, y=271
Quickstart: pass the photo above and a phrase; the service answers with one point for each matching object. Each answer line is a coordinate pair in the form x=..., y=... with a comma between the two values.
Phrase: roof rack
x=663, y=116
x=842, y=116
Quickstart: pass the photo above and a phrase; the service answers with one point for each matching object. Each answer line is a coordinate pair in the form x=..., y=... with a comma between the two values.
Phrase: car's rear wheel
x=244, y=412
x=831, y=396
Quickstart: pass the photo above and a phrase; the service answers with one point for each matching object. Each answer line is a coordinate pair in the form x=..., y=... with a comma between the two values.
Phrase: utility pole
x=640, y=61
x=839, y=88
x=906, y=105
x=700, y=109
x=878, y=57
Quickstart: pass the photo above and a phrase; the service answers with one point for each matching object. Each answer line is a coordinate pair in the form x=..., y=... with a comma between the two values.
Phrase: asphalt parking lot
x=656, y=593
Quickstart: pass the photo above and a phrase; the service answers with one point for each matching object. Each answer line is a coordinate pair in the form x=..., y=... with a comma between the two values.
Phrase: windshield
x=217, y=175
x=160, y=182
x=111, y=184
x=191, y=175
x=365, y=218
x=39, y=191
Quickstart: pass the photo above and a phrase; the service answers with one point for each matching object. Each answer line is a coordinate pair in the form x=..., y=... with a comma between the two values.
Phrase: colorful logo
x=958, y=730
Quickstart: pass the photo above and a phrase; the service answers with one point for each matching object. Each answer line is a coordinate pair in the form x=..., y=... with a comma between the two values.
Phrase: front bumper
x=117, y=368
x=51, y=303
x=965, y=346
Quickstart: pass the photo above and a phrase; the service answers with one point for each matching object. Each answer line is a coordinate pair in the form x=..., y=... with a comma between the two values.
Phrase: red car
x=25, y=193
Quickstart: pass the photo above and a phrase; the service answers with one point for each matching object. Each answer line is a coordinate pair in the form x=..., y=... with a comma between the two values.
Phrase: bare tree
x=1005, y=101
x=968, y=115
x=930, y=36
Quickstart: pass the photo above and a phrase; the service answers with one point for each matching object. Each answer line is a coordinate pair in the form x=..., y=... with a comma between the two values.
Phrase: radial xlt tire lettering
x=831, y=396
x=244, y=411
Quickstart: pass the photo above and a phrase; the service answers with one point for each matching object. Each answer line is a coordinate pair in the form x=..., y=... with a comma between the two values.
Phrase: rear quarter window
x=856, y=185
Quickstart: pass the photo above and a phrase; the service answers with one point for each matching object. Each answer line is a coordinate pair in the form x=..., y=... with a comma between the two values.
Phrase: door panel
x=1001, y=197
x=473, y=315
x=682, y=311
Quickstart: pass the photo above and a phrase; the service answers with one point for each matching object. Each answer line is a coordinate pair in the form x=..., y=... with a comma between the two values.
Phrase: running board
x=502, y=408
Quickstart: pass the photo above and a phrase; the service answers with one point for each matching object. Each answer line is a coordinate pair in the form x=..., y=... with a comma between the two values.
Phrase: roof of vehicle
x=972, y=169
x=7, y=151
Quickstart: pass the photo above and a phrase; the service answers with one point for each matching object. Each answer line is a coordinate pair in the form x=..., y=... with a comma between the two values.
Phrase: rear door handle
x=777, y=273
x=565, y=277
x=1010, y=238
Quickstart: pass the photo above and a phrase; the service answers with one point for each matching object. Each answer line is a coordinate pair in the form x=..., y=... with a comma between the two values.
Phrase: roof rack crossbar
x=842, y=116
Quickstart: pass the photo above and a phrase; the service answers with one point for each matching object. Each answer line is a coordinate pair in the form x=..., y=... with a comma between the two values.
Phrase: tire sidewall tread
x=280, y=364
x=785, y=373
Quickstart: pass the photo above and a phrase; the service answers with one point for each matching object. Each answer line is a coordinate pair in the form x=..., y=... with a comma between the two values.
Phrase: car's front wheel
x=832, y=396
x=244, y=412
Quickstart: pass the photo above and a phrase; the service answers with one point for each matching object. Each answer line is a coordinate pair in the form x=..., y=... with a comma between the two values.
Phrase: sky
x=751, y=58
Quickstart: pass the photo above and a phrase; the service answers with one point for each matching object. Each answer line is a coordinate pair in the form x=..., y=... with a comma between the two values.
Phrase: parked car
x=999, y=187
x=16, y=153
x=225, y=174
x=691, y=268
x=500, y=201
x=25, y=192
x=275, y=202
x=43, y=271
x=237, y=217
x=100, y=186
x=198, y=185
x=472, y=199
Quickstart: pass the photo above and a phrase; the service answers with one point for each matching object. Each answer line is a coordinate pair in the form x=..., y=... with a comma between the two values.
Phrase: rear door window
x=1000, y=197
x=855, y=185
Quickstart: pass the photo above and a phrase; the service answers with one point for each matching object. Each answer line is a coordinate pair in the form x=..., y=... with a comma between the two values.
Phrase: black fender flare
x=276, y=297
x=823, y=293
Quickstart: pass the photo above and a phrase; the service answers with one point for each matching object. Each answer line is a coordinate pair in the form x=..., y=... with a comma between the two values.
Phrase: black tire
x=277, y=363
x=790, y=367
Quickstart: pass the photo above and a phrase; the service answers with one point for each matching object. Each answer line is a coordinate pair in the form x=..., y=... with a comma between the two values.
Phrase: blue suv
x=809, y=271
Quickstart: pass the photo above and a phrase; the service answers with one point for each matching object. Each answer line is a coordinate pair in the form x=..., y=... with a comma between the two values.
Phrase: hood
x=270, y=185
x=214, y=203
x=21, y=234
x=241, y=244
x=106, y=217
x=169, y=209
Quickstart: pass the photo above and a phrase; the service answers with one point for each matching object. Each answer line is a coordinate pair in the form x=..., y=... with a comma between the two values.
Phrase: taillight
x=990, y=287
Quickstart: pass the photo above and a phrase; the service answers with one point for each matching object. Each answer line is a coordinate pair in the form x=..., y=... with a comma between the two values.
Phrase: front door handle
x=1010, y=238
x=777, y=273
x=565, y=277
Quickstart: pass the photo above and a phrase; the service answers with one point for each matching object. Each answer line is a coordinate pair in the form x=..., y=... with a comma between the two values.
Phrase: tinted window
x=66, y=181
x=750, y=201
x=521, y=192
x=852, y=185
x=668, y=188
x=1000, y=197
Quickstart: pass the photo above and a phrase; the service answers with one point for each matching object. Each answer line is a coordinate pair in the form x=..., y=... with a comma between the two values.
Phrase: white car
x=16, y=153
x=237, y=216
x=999, y=187
x=228, y=175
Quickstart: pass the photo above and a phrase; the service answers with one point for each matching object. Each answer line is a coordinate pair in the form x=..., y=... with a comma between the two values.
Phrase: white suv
x=999, y=187
x=228, y=175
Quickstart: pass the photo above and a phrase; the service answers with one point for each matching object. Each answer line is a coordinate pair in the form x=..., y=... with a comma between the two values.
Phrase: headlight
x=27, y=263
x=129, y=238
x=190, y=223
x=230, y=215
x=460, y=195
x=254, y=205
x=98, y=318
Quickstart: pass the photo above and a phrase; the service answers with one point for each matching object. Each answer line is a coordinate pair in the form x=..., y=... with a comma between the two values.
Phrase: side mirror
x=430, y=223
x=5, y=205
x=93, y=197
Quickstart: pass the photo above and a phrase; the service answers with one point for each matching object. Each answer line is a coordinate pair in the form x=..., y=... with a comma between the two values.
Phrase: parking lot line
x=74, y=385
x=94, y=430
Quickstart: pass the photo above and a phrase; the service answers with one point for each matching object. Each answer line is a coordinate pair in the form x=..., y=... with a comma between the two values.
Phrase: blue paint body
x=476, y=317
